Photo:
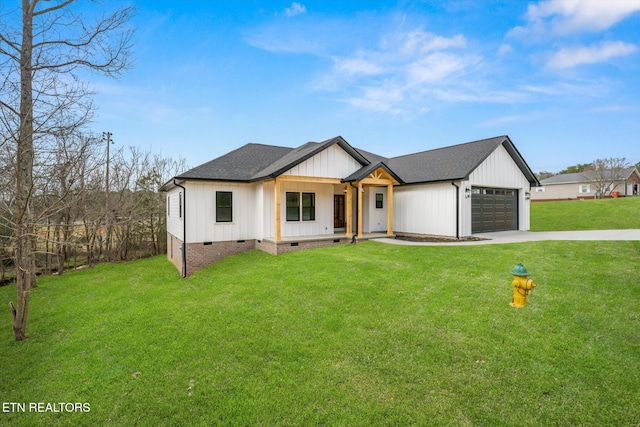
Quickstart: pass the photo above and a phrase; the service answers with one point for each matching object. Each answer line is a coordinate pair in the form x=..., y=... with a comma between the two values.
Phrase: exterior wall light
x=527, y=195
x=467, y=192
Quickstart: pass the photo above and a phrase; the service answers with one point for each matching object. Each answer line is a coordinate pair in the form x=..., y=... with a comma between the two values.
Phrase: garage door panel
x=493, y=209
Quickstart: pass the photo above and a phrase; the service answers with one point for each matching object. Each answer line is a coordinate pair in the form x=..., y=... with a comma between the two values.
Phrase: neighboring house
x=281, y=199
x=585, y=185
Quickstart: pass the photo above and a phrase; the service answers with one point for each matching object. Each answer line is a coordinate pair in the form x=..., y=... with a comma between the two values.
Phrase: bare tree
x=44, y=46
x=606, y=174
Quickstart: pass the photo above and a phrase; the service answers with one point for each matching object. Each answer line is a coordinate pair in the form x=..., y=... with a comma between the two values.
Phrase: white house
x=586, y=185
x=281, y=199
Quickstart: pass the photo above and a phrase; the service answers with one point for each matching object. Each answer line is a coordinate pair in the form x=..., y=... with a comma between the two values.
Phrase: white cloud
x=504, y=49
x=562, y=17
x=295, y=9
x=406, y=67
x=437, y=67
x=357, y=66
x=419, y=41
x=572, y=57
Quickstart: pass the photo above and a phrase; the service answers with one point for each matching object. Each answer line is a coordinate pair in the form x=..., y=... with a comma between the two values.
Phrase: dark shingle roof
x=454, y=162
x=586, y=176
x=253, y=162
x=238, y=165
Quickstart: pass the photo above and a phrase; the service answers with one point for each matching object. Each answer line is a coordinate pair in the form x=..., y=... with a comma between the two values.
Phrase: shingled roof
x=586, y=176
x=254, y=162
x=454, y=162
x=238, y=165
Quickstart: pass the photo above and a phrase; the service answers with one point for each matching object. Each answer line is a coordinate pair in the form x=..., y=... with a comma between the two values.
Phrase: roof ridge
x=448, y=147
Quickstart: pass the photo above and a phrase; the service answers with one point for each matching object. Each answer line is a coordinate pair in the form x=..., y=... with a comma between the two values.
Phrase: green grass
x=367, y=334
x=603, y=214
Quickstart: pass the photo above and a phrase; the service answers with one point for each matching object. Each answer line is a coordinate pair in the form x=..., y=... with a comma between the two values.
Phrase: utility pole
x=106, y=136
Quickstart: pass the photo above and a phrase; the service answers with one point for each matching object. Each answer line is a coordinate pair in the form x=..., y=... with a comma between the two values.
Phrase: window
x=308, y=206
x=379, y=198
x=584, y=188
x=298, y=203
x=539, y=189
x=224, y=206
x=180, y=205
x=293, y=206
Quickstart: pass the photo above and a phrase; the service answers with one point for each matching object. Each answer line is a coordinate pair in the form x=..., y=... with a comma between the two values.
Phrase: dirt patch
x=437, y=239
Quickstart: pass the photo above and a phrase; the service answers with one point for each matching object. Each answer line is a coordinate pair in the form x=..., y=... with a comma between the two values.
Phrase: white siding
x=425, y=209
x=201, y=212
x=174, y=222
x=374, y=219
x=333, y=162
x=498, y=171
x=323, y=223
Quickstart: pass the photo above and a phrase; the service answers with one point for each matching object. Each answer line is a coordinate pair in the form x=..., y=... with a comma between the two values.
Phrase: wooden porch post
x=389, y=209
x=359, y=209
x=276, y=198
x=349, y=208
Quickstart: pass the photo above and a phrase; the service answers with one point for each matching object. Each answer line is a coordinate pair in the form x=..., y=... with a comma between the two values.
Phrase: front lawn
x=366, y=334
x=602, y=214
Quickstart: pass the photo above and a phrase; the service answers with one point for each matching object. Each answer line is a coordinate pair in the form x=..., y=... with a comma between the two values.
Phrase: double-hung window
x=301, y=205
x=224, y=206
x=308, y=206
x=379, y=199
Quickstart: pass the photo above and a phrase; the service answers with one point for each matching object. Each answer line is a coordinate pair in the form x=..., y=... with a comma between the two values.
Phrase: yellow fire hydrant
x=521, y=286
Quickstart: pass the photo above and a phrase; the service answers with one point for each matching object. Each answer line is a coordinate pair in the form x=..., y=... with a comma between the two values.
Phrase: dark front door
x=338, y=211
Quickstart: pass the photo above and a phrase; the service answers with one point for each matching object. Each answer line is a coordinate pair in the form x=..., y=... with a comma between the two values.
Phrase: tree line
x=79, y=218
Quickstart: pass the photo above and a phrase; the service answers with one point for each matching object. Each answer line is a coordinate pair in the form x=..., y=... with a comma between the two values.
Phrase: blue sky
x=561, y=78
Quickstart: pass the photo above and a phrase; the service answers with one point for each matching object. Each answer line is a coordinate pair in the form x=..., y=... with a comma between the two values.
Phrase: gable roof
x=255, y=162
x=305, y=152
x=363, y=172
x=572, y=178
x=238, y=165
x=455, y=162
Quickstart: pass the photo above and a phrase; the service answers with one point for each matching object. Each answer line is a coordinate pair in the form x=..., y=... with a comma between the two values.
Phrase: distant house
x=584, y=185
x=281, y=199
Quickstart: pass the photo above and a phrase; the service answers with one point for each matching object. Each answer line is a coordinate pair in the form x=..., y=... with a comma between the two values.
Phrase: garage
x=493, y=209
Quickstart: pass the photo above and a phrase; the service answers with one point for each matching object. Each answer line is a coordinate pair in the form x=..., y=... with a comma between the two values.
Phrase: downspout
x=184, y=228
x=457, y=210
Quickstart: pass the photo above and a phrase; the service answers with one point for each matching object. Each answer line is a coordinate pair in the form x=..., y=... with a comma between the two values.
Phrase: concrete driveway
x=530, y=236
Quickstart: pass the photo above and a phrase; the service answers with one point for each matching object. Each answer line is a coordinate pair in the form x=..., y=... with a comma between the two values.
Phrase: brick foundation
x=202, y=254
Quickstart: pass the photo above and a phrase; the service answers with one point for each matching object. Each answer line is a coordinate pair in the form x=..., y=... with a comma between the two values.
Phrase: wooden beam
x=315, y=179
x=276, y=198
x=359, y=209
x=389, y=209
x=380, y=182
x=349, y=210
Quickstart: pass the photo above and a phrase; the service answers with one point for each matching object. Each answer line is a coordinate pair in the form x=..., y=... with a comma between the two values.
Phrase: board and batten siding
x=425, y=209
x=322, y=225
x=201, y=212
x=374, y=219
x=497, y=171
x=175, y=223
x=333, y=162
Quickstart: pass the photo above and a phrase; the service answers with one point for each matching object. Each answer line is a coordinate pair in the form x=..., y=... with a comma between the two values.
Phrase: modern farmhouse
x=281, y=199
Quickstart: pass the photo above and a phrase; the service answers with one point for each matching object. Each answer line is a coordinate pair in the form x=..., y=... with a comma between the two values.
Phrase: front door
x=338, y=211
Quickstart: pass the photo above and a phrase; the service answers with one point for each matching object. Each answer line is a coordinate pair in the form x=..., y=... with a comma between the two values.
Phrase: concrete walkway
x=530, y=236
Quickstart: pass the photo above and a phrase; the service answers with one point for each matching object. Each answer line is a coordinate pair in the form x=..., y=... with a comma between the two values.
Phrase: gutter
x=184, y=228
x=457, y=209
